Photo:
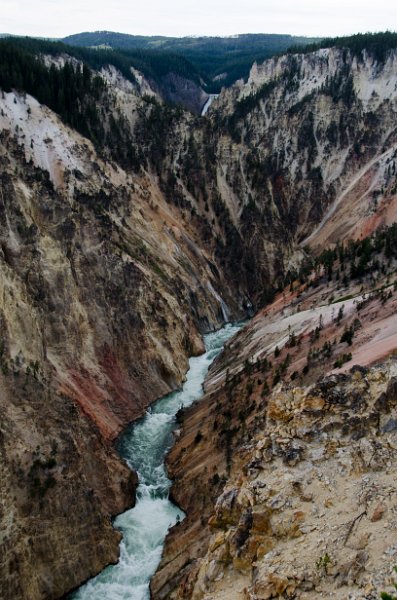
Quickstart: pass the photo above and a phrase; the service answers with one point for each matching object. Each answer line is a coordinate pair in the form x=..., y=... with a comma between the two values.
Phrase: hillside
x=288, y=417
x=172, y=77
x=129, y=227
x=87, y=252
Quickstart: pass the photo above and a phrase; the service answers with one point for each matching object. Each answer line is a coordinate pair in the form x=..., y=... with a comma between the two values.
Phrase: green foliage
x=363, y=258
x=290, y=79
x=341, y=360
x=71, y=91
x=340, y=86
x=229, y=58
x=152, y=63
x=377, y=45
x=324, y=562
x=247, y=104
x=347, y=335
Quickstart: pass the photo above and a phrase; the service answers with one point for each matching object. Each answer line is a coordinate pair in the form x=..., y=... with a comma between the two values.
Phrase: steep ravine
x=277, y=529
x=144, y=527
x=302, y=402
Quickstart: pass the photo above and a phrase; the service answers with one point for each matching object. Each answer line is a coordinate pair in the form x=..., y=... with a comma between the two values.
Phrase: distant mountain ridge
x=221, y=60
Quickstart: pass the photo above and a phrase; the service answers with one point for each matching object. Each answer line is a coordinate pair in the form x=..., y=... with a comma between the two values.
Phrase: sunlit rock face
x=305, y=507
x=285, y=468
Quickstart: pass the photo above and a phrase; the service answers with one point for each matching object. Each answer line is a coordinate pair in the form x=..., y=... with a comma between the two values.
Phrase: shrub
x=386, y=596
x=323, y=562
x=347, y=335
x=198, y=438
x=342, y=360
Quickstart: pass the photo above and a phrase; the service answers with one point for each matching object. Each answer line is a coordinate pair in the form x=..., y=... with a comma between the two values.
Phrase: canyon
x=118, y=254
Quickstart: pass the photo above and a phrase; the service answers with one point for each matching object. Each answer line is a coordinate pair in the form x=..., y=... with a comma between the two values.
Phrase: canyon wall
x=285, y=467
x=118, y=251
x=104, y=293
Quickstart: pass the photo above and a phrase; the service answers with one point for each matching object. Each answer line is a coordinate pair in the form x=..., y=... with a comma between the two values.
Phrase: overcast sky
x=57, y=18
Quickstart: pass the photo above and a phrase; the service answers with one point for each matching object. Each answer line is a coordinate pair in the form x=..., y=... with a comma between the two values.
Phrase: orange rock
x=277, y=411
x=299, y=515
x=272, y=587
x=242, y=563
x=261, y=522
x=265, y=547
x=378, y=513
x=312, y=403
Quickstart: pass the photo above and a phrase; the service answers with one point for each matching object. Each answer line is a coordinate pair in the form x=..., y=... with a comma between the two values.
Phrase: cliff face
x=112, y=288
x=308, y=137
x=307, y=507
x=315, y=133
x=60, y=484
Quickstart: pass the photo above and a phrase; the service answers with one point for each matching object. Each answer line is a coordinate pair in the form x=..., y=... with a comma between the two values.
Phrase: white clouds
x=56, y=18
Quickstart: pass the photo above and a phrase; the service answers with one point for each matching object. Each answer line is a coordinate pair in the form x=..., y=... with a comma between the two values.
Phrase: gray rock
x=390, y=426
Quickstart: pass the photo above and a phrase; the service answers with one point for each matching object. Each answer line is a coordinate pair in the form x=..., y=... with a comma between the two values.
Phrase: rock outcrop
x=60, y=484
x=310, y=513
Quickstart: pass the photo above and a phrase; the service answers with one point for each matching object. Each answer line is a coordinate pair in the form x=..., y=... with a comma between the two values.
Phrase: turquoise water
x=144, y=527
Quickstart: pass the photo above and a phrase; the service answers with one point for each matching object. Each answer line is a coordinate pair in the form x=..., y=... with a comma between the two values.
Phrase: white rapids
x=144, y=527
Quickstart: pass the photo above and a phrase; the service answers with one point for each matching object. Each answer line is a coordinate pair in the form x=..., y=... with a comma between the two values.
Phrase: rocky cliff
x=293, y=496
x=285, y=156
x=284, y=446
x=307, y=508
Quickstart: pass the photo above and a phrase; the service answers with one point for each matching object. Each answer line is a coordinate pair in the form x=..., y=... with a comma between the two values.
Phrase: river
x=144, y=446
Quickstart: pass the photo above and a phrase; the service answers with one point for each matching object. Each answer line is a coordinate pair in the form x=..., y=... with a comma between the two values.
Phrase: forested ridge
x=376, y=44
x=151, y=63
x=219, y=60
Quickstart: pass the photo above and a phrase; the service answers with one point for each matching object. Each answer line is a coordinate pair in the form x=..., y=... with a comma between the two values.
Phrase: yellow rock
x=272, y=587
x=264, y=547
x=242, y=563
x=312, y=403
x=216, y=541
